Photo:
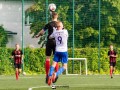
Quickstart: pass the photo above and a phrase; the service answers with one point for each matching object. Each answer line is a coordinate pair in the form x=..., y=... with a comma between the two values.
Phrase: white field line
x=65, y=86
x=38, y=87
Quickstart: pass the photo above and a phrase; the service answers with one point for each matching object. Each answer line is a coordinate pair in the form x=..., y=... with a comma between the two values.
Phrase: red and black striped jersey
x=112, y=59
x=17, y=54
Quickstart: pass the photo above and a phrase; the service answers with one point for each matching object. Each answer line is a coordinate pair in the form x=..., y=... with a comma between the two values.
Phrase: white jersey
x=61, y=37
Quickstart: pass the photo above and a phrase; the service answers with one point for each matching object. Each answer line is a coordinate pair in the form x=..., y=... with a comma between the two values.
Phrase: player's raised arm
x=40, y=33
x=46, y=27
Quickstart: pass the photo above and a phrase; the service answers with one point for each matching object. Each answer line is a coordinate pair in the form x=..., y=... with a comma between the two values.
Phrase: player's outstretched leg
x=47, y=67
x=56, y=69
x=49, y=80
x=55, y=80
x=55, y=75
x=50, y=75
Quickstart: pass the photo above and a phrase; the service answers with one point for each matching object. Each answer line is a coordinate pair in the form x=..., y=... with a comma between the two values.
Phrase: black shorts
x=18, y=66
x=50, y=47
x=112, y=64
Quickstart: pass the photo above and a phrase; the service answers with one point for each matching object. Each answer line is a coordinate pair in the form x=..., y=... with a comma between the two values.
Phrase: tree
x=86, y=21
x=110, y=18
x=3, y=37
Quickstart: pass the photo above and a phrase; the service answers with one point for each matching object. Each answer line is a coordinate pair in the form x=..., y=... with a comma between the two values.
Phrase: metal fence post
x=23, y=14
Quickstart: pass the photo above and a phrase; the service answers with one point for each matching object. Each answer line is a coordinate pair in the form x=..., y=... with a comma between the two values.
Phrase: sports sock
x=16, y=75
x=47, y=66
x=51, y=70
x=110, y=72
x=60, y=71
x=56, y=67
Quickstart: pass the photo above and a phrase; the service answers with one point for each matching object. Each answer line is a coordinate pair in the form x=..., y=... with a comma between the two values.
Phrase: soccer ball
x=24, y=73
x=52, y=7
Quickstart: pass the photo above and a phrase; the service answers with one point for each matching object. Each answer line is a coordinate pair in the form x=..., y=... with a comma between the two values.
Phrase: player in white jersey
x=61, y=54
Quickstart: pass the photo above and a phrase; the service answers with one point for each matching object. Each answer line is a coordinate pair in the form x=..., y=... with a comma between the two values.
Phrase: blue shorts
x=61, y=57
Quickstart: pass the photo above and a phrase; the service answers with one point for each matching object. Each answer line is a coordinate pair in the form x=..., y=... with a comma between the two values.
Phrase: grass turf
x=75, y=82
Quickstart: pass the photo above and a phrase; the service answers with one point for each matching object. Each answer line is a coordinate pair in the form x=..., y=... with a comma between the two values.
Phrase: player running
x=50, y=45
x=17, y=55
x=112, y=56
x=61, y=54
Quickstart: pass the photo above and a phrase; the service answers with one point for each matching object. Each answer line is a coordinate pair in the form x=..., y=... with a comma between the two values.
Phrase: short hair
x=17, y=44
x=59, y=24
x=111, y=44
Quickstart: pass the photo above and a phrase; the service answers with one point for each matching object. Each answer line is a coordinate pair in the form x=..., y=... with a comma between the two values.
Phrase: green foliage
x=86, y=20
x=92, y=60
x=6, y=64
x=86, y=35
x=3, y=37
x=34, y=60
x=63, y=11
x=110, y=21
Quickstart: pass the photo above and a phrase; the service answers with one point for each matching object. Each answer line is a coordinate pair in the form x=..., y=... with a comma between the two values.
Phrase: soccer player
x=50, y=45
x=112, y=59
x=17, y=55
x=61, y=54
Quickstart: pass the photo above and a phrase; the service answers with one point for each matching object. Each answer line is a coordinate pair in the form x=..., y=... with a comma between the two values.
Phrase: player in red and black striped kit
x=17, y=55
x=112, y=59
x=51, y=44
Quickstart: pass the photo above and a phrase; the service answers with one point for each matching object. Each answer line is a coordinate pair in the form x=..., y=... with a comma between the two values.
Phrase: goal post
x=78, y=59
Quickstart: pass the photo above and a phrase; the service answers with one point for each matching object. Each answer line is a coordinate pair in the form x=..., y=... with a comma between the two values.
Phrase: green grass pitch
x=75, y=82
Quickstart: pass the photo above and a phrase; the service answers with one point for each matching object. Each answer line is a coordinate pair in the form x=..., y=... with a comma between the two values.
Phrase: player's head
x=111, y=47
x=54, y=15
x=17, y=46
x=59, y=25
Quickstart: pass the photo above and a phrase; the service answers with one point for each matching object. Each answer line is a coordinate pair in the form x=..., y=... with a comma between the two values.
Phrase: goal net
x=79, y=63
